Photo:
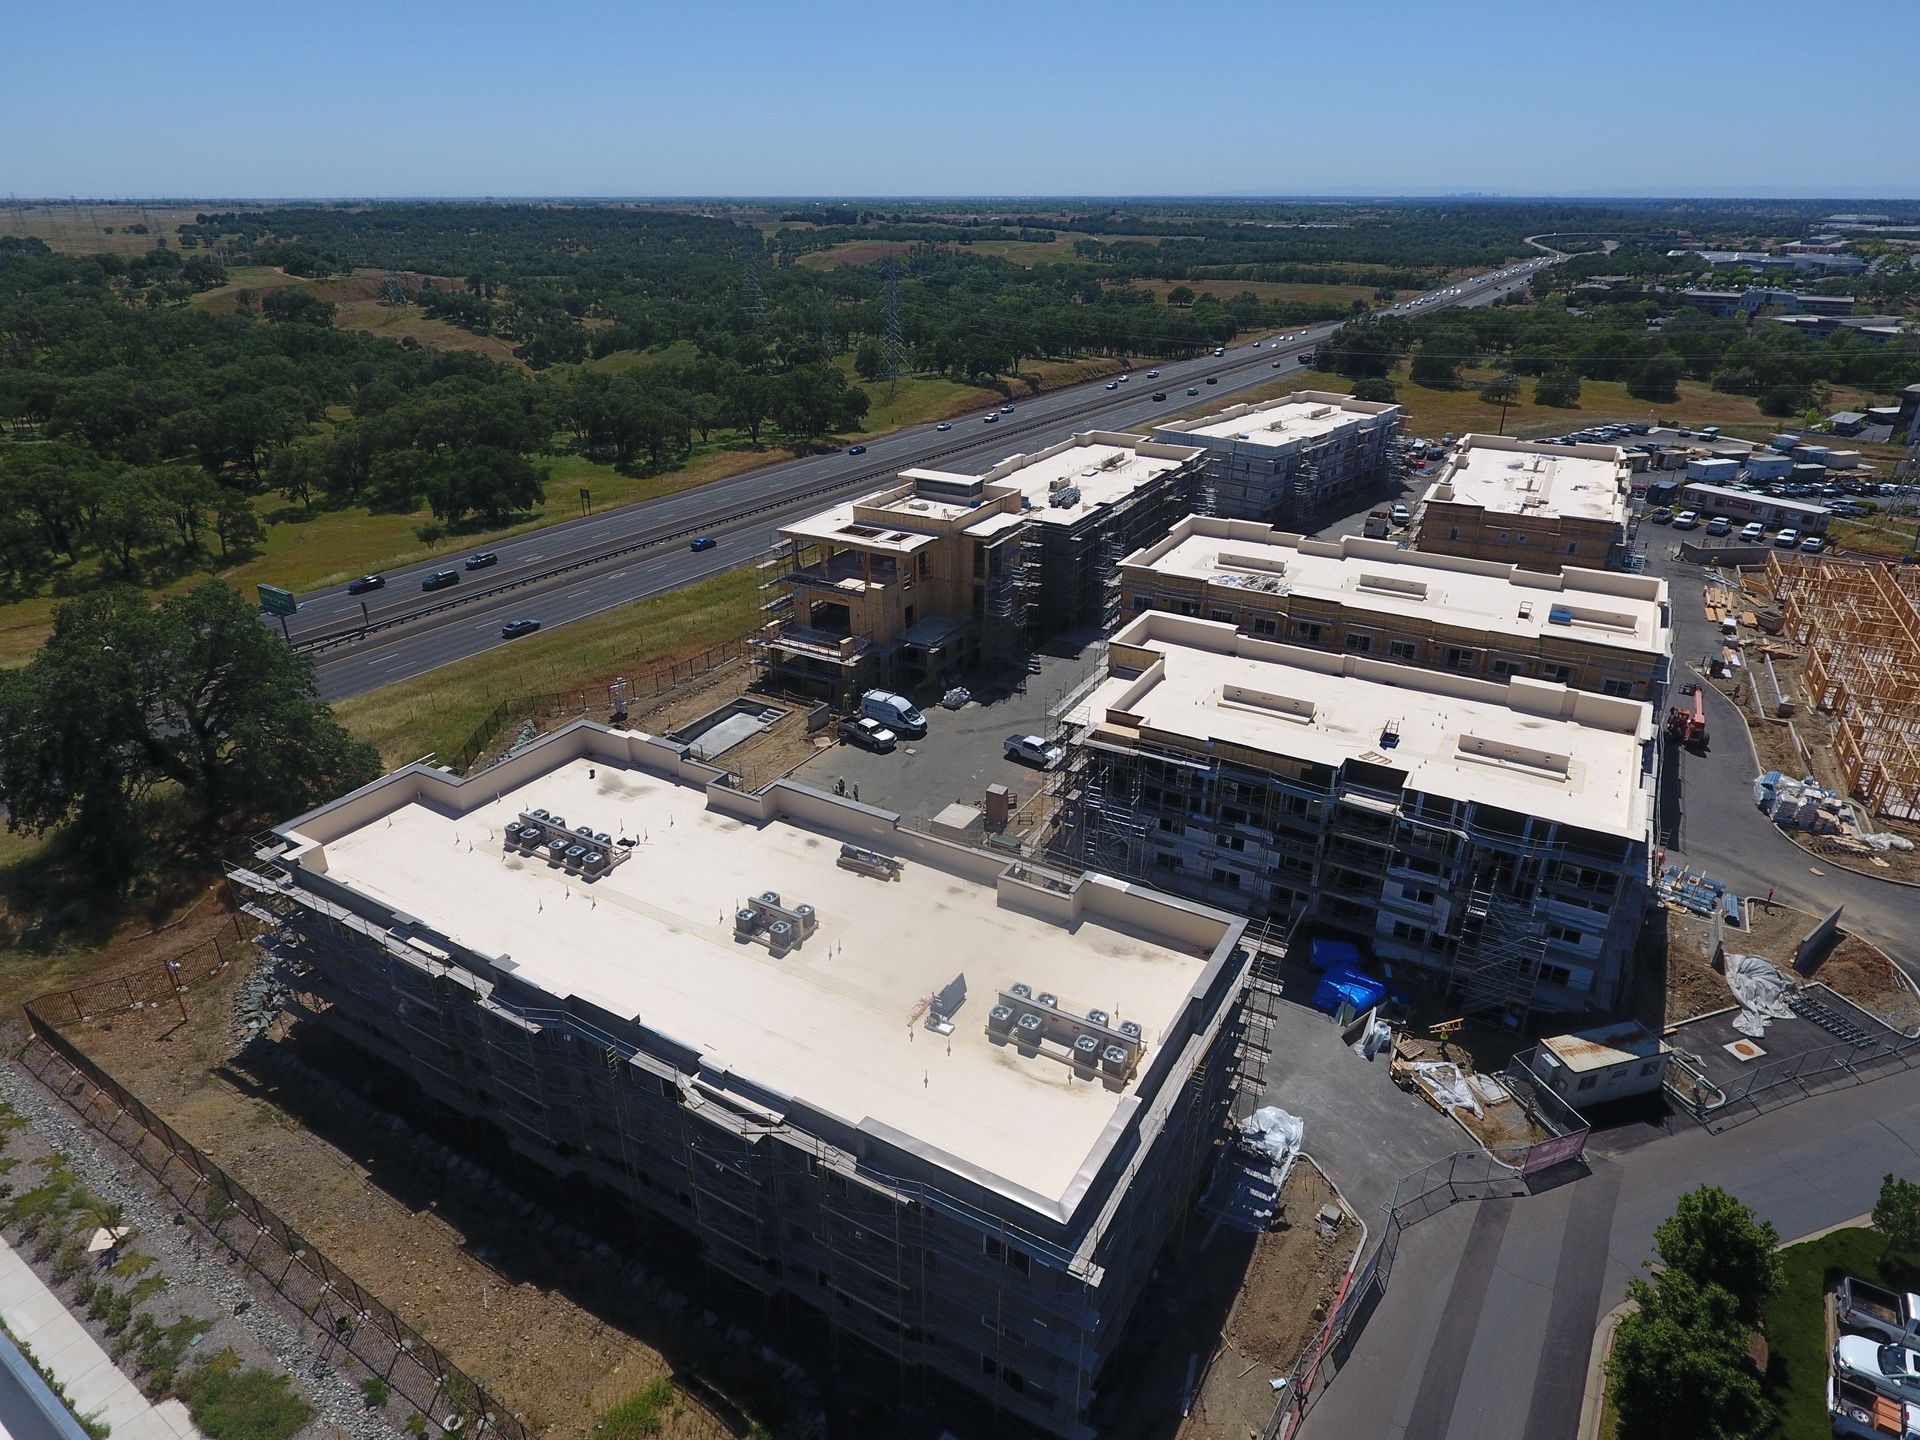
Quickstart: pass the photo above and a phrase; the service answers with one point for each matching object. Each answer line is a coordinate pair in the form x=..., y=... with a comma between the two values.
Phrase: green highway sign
x=276, y=601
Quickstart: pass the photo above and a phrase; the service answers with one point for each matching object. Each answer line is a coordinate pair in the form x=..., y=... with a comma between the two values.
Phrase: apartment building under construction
x=1280, y=461
x=1527, y=503
x=1596, y=630
x=940, y=1105
x=916, y=584
x=1492, y=833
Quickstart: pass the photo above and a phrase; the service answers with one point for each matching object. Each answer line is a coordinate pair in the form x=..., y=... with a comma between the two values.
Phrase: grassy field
x=410, y=322
x=1796, y=1323
x=436, y=712
x=1886, y=535
x=78, y=230
x=621, y=361
x=357, y=296
x=917, y=400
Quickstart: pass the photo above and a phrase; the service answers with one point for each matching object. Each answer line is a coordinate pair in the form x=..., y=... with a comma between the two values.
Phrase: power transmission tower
x=752, y=305
x=826, y=332
x=895, y=344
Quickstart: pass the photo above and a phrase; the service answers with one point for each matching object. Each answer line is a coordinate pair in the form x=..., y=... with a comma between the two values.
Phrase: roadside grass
x=918, y=400
x=436, y=712
x=1890, y=536
x=1795, y=1322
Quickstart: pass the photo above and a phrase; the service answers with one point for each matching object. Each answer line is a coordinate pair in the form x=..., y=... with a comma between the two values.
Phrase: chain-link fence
x=355, y=1330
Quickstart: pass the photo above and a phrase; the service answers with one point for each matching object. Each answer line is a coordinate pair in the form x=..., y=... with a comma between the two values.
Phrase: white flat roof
x=1377, y=577
x=1606, y=1046
x=1303, y=415
x=1103, y=468
x=1527, y=746
x=834, y=1023
x=1519, y=477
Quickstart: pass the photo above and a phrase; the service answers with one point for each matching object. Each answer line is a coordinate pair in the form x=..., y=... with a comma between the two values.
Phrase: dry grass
x=78, y=230
x=1308, y=294
x=436, y=712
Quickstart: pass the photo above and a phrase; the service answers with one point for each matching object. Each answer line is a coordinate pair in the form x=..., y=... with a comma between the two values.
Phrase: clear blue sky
x=845, y=97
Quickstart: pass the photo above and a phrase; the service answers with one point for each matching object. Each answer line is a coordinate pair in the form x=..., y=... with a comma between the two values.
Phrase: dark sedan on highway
x=366, y=583
x=440, y=579
x=514, y=629
x=703, y=542
x=482, y=560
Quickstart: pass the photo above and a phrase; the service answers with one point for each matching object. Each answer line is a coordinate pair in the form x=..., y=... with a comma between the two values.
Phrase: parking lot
x=961, y=753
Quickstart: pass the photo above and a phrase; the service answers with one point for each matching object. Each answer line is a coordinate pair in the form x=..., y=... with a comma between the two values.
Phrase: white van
x=896, y=712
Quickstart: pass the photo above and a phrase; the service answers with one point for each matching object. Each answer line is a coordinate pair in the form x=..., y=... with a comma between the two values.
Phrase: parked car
x=1719, y=525
x=1753, y=533
x=869, y=734
x=1402, y=515
x=1813, y=544
x=703, y=542
x=482, y=560
x=514, y=629
x=1661, y=515
x=1687, y=520
x=1786, y=539
x=1889, y=1315
x=896, y=712
x=1033, y=750
x=366, y=583
x=440, y=579
x=1893, y=1370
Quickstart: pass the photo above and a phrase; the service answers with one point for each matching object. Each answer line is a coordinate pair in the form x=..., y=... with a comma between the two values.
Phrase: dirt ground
x=1694, y=987
x=1290, y=1282
x=557, y=1364
x=765, y=757
x=1852, y=968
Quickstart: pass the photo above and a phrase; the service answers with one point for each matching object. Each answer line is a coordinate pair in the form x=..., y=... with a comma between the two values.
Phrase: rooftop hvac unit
x=540, y=815
x=595, y=862
x=1114, y=1060
x=1085, y=1047
x=1020, y=992
x=769, y=897
x=1130, y=1029
x=1099, y=1017
x=558, y=822
x=1000, y=1020
x=1049, y=999
x=1030, y=1026
x=746, y=922
x=780, y=938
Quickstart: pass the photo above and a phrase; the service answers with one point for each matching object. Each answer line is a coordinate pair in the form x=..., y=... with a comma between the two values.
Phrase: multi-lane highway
x=568, y=571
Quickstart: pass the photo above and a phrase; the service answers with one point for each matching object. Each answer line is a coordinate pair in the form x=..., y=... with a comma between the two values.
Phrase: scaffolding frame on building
x=1859, y=624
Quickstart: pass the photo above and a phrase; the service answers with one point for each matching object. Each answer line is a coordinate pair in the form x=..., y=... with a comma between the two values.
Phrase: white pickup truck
x=1034, y=750
x=1884, y=1314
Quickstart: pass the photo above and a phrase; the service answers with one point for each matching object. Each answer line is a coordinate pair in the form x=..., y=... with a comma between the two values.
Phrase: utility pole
x=752, y=305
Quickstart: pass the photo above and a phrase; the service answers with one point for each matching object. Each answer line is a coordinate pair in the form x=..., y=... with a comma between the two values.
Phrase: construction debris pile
x=1696, y=891
x=1805, y=804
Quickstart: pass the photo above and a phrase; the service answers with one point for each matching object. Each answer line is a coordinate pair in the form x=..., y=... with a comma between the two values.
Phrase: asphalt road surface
x=744, y=514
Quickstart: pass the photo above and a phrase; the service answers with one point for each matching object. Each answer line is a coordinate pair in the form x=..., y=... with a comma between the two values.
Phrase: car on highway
x=1661, y=515
x=1193, y=389
x=869, y=734
x=1220, y=350
x=1306, y=359
x=1006, y=409
x=366, y=583
x=1786, y=540
x=943, y=425
x=1159, y=394
x=1278, y=363
x=990, y=417
x=702, y=542
x=1153, y=374
x=1753, y=532
x=1032, y=750
x=1125, y=378
x=482, y=560
x=1687, y=520
x=440, y=579
x=1719, y=525
x=1213, y=379
x=1113, y=384
x=514, y=629
x=856, y=449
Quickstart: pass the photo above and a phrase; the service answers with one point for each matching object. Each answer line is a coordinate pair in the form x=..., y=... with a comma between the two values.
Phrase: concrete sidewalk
x=95, y=1387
